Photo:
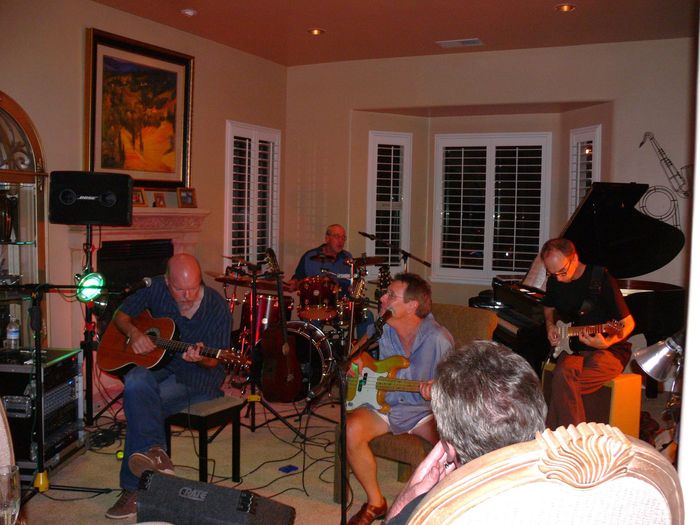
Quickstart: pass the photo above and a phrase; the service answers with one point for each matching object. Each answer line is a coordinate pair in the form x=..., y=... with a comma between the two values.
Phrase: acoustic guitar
x=377, y=378
x=115, y=355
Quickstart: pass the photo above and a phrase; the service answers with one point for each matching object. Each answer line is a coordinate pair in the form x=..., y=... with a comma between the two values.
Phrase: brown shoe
x=155, y=459
x=125, y=507
x=368, y=513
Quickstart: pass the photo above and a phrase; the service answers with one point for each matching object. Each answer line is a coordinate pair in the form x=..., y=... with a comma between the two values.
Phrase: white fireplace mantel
x=181, y=225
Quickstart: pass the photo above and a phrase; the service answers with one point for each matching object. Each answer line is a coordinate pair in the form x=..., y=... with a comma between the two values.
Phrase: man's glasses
x=563, y=271
x=337, y=236
x=391, y=295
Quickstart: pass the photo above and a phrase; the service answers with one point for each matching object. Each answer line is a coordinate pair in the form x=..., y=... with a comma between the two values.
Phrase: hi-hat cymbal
x=371, y=261
x=260, y=284
x=242, y=262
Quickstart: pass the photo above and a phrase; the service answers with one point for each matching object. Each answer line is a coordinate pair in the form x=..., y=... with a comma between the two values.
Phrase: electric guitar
x=377, y=378
x=115, y=355
x=566, y=330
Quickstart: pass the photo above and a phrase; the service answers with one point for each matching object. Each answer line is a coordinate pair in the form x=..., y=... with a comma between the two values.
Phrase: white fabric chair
x=591, y=473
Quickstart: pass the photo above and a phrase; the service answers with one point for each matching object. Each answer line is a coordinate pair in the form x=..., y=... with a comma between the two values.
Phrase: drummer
x=332, y=258
x=329, y=256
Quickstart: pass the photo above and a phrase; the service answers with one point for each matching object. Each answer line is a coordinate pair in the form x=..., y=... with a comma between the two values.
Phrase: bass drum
x=315, y=358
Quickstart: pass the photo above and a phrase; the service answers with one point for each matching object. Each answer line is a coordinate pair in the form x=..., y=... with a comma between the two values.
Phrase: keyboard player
x=583, y=295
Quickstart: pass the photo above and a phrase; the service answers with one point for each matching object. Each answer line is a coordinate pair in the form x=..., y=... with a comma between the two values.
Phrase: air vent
x=462, y=42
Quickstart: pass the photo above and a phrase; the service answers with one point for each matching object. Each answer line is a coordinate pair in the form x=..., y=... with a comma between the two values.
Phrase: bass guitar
x=115, y=355
x=377, y=377
x=566, y=330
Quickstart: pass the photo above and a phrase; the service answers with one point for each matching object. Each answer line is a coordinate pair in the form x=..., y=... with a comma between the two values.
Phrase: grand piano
x=607, y=230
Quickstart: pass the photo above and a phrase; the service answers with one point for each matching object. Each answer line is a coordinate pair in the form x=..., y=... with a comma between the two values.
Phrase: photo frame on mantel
x=138, y=107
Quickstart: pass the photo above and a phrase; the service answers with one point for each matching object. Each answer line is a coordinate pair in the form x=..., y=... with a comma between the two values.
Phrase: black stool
x=203, y=416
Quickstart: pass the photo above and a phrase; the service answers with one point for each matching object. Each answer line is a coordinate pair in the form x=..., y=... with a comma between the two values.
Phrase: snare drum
x=317, y=299
x=267, y=312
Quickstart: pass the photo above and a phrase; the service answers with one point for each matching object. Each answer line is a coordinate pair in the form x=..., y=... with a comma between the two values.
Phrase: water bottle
x=12, y=340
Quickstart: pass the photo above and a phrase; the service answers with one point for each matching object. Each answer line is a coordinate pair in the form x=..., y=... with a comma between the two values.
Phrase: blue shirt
x=211, y=325
x=310, y=268
x=432, y=343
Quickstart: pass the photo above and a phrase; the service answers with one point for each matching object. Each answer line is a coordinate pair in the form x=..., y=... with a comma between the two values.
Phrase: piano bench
x=206, y=415
x=617, y=403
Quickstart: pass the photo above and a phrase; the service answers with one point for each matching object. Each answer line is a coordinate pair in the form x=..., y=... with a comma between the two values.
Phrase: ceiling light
x=316, y=31
x=188, y=11
x=565, y=8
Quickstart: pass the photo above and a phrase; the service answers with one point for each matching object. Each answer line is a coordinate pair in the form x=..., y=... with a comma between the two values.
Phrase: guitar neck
x=398, y=385
x=178, y=346
x=588, y=329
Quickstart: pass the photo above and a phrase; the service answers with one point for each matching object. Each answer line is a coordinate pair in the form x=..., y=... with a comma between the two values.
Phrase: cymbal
x=260, y=284
x=371, y=261
x=241, y=261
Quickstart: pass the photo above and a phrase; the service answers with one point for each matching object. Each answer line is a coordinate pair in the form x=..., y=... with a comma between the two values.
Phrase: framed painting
x=138, y=106
x=186, y=198
x=159, y=199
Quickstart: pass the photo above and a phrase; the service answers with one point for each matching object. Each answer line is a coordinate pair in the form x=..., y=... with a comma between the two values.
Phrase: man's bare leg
x=363, y=425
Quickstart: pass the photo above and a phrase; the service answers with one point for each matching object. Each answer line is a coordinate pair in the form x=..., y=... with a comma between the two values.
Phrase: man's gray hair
x=485, y=397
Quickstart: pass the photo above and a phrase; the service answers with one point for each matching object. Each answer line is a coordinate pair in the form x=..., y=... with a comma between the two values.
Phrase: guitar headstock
x=271, y=260
x=383, y=281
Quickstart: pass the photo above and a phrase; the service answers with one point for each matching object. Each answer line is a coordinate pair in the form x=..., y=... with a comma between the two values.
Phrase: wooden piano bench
x=204, y=416
x=617, y=403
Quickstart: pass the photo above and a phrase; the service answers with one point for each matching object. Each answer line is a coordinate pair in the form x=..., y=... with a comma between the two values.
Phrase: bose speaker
x=86, y=197
x=187, y=502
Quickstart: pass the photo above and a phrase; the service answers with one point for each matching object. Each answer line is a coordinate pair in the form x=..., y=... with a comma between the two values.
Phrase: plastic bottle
x=12, y=341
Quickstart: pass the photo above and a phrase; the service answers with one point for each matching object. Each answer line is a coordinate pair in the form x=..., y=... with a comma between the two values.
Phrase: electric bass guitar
x=377, y=377
x=566, y=330
x=115, y=355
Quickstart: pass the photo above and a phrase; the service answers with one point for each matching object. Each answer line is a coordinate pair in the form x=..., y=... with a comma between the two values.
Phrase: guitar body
x=114, y=353
x=364, y=389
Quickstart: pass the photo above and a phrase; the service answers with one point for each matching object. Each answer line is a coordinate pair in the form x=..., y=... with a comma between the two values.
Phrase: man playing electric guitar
x=202, y=317
x=585, y=295
x=410, y=332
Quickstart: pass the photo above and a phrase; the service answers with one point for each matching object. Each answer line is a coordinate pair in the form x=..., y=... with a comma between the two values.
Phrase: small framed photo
x=138, y=198
x=186, y=198
x=159, y=199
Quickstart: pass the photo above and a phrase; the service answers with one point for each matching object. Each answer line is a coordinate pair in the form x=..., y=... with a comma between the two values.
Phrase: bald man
x=202, y=318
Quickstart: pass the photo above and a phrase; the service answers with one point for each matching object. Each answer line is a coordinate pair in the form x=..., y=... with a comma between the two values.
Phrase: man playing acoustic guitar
x=410, y=332
x=202, y=318
x=585, y=295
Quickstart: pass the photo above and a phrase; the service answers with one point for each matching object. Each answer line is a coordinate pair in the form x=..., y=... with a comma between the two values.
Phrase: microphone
x=368, y=235
x=143, y=283
x=379, y=323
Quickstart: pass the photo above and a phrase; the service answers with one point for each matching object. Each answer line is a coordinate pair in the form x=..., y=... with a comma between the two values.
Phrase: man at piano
x=584, y=296
x=410, y=332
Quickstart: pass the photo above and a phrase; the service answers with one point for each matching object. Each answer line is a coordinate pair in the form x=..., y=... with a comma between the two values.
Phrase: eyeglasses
x=563, y=271
x=391, y=295
x=337, y=236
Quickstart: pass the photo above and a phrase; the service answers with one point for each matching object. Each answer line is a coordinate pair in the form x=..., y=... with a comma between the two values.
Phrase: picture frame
x=138, y=198
x=159, y=199
x=186, y=198
x=138, y=110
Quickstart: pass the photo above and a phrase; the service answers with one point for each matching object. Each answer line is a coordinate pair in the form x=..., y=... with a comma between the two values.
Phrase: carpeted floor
x=265, y=454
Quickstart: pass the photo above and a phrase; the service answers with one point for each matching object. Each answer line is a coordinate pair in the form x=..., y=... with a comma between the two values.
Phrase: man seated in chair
x=202, y=318
x=484, y=397
x=411, y=332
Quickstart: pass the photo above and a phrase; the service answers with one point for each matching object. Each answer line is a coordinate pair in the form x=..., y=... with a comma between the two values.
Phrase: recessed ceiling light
x=316, y=31
x=565, y=8
x=188, y=11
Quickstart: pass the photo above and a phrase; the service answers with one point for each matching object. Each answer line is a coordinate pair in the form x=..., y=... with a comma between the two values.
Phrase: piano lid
x=608, y=230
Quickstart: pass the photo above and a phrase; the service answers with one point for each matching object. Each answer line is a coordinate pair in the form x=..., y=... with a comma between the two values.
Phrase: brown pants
x=575, y=376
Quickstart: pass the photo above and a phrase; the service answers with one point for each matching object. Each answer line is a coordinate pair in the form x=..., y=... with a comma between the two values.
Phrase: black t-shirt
x=568, y=300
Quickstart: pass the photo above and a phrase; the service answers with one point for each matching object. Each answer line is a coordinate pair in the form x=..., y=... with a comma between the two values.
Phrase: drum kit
x=319, y=338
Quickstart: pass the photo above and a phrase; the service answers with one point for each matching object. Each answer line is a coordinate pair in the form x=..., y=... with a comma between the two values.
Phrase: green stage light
x=89, y=287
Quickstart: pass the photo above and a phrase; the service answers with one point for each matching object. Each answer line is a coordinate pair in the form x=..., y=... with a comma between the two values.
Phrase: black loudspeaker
x=85, y=197
x=187, y=502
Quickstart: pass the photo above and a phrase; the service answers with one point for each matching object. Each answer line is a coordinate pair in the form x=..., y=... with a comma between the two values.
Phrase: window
x=584, y=163
x=491, y=204
x=389, y=193
x=252, y=191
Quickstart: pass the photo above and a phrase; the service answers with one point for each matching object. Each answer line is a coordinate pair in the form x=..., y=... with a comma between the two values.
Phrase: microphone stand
x=404, y=254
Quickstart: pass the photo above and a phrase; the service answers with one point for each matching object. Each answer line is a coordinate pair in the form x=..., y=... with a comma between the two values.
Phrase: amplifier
x=183, y=501
x=61, y=404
